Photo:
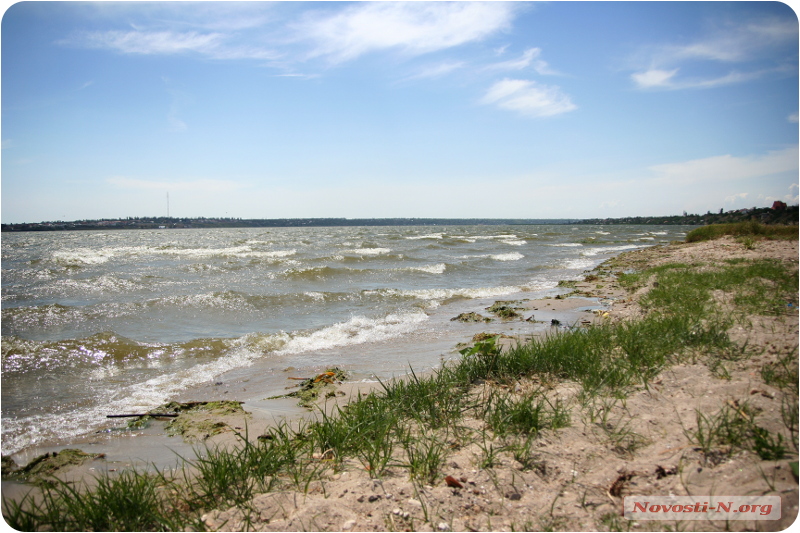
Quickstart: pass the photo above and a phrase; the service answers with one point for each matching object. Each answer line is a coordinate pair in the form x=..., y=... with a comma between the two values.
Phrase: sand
x=581, y=475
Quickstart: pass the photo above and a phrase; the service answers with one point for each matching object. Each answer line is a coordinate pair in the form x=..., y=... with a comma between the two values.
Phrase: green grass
x=526, y=414
x=743, y=229
x=732, y=429
x=131, y=501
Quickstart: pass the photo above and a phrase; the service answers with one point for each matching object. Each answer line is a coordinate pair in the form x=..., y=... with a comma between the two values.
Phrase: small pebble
x=443, y=526
x=347, y=526
x=396, y=511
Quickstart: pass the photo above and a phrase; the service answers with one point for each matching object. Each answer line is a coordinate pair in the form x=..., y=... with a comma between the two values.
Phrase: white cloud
x=662, y=79
x=436, y=71
x=792, y=118
x=734, y=197
x=654, y=78
x=203, y=185
x=739, y=43
x=412, y=27
x=143, y=42
x=529, y=98
x=728, y=167
x=529, y=58
x=760, y=48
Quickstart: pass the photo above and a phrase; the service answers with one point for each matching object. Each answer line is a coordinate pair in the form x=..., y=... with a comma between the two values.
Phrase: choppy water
x=121, y=321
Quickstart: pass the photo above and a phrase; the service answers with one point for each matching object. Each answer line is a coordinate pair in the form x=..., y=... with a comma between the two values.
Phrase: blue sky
x=380, y=109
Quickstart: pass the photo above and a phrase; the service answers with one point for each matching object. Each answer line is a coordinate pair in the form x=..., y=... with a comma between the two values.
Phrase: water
x=97, y=322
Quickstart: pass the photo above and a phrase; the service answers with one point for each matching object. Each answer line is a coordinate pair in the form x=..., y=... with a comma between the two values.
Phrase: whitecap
x=609, y=249
x=430, y=269
x=357, y=330
x=429, y=236
x=512, y=256
x=369, y=251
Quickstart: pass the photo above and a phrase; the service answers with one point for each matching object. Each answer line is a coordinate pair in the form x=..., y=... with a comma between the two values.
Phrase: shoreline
x=580, y=473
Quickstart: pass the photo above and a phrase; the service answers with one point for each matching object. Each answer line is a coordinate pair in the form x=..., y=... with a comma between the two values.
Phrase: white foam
x=430, y=269
x=444, y=294
x=580, y=262
x=566, y=244
x=84, y=256
x=19, y=433
x=357, y=330
x=609, y=249
x=369, y=251
x=512, y=256
x=429, y=236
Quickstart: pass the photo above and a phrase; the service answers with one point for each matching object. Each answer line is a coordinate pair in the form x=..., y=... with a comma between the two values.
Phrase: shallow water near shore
x=98, y=323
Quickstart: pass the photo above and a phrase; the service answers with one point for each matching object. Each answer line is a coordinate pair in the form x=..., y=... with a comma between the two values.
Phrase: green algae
x=505, y=309
x=47, y=464
x=310, y=389
x=198, y=420
x=470, y=317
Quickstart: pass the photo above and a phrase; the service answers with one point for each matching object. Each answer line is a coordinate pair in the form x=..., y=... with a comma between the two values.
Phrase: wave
x=435, y=236
x=21, y=432
x=90, y=256
x=438, y=295
x=609, y=249
x=579, y=263
x=513, y=256
x=368, y=251
x=317, y=273
x=357, y=330
x=430, y=269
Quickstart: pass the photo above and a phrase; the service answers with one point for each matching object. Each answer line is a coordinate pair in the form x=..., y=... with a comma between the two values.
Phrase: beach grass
x=745, y=230
x=410, y=424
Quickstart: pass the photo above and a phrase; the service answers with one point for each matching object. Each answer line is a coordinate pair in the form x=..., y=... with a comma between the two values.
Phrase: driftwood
x=171, y=415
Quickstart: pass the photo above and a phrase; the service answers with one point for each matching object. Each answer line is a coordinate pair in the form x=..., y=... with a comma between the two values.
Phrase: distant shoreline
x=765, y=215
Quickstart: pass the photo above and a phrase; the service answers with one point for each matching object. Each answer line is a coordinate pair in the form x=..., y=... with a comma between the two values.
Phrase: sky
x=383, y=109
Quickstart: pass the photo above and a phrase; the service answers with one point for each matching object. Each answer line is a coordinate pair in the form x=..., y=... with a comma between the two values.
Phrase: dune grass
x=409, y=424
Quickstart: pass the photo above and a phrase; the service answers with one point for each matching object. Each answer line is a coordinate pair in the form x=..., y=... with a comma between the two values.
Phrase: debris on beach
x=47, y=464
x=310, y=389
x=470, y=317
x=201, y=420
x=505, y=309
x=197, y=420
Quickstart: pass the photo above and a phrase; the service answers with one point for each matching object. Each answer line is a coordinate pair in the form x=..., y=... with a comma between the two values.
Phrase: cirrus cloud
x=529, y=98
x=704, y=62
x=415, y=28
x=728, y=167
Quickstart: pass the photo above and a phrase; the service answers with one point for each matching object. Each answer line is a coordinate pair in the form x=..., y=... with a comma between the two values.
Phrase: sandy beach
x=574, y=477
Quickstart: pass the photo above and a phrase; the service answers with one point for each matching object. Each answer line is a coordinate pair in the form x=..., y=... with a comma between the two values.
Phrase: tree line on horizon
x=779, y=213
